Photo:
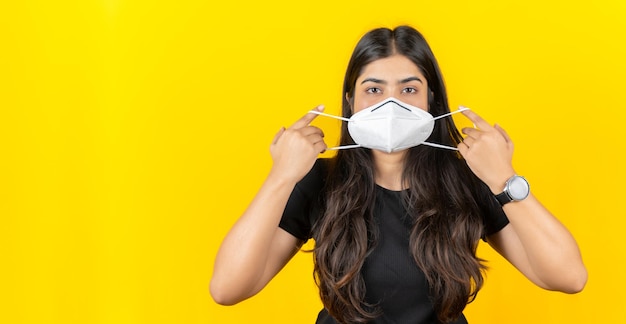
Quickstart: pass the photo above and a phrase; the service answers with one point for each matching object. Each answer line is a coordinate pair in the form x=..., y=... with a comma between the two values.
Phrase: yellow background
x=133, y=134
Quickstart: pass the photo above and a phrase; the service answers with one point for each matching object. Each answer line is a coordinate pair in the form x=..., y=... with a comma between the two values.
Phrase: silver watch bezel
x=512, y=191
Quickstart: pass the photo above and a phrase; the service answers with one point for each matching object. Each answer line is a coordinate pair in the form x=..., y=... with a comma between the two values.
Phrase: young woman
x=396, y=216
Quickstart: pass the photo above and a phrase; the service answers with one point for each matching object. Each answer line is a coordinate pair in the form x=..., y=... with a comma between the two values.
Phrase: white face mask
x=391, y=125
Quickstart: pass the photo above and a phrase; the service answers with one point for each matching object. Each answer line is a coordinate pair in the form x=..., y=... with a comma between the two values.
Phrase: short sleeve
x=304, y=205
x=494, y=218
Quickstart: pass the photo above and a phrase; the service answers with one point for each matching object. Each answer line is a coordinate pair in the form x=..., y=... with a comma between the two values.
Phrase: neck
x=388, y=169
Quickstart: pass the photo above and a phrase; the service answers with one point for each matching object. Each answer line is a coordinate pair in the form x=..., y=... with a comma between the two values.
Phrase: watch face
x=518, y=188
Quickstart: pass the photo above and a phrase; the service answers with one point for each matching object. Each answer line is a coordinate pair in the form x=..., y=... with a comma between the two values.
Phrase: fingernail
x=320, y=108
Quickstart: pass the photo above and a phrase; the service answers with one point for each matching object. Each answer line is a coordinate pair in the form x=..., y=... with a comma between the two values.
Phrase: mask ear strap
x=340, y=118
x=440, y=146
x=461, y=108
x=328, y=115
x=357, y=145
x=344, y=147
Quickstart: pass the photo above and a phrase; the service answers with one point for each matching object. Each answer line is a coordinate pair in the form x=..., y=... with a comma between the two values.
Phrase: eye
x=409, y=90
x=373, y=90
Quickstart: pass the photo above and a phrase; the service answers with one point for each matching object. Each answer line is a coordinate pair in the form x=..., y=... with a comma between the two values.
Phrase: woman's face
x=393, y=76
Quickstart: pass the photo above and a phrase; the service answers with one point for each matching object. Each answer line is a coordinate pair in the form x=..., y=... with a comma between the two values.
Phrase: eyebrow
x=413, y=78
x=409, y=79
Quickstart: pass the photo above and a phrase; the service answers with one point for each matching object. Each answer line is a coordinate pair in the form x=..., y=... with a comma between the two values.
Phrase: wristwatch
x=516, y=189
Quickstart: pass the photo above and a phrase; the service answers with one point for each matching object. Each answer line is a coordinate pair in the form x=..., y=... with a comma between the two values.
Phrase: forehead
x=395, y=67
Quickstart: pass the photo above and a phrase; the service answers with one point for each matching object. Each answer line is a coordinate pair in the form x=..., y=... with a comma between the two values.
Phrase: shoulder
x=313, y=183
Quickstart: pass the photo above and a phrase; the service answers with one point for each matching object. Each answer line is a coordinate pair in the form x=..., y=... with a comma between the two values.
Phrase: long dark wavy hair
x=441, y=200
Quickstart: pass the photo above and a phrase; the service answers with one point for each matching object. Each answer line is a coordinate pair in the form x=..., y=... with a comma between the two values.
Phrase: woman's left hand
x=534, y=241
x=488, y=151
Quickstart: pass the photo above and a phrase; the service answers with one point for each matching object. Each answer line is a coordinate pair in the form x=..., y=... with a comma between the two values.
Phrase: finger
x=471, y=132
x=503, y=132
x=307, y=119
x=315, y=138
x=320, y=146
x=468, y=141
x=278, y=135
x=311, y=130
x=477, y=120
x=463, y=148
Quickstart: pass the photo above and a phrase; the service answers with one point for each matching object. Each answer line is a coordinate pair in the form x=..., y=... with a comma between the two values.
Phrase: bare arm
x=538, y=245
x=256, y=249
x=534, y=241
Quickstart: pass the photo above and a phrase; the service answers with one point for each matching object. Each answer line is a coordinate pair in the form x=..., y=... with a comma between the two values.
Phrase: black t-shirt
x=394, y=281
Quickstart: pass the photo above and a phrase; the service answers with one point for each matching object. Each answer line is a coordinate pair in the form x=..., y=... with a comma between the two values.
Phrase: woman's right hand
x=256, y=248
x=295, y=149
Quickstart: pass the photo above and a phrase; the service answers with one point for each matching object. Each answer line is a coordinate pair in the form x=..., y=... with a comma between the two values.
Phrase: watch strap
x=503, y=198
